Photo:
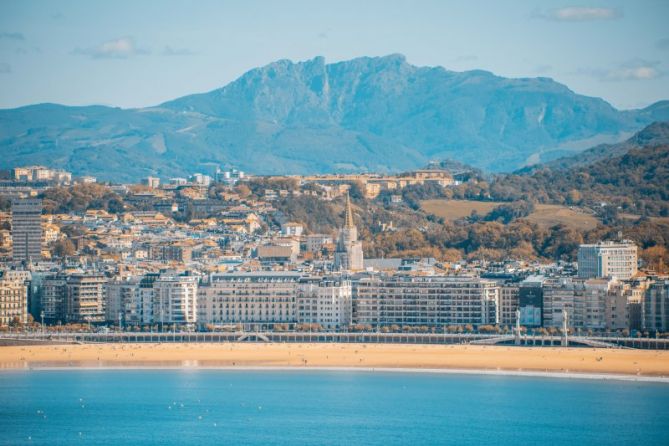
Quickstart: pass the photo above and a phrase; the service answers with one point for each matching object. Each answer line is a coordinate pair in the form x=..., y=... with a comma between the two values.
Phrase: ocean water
x=196, y=407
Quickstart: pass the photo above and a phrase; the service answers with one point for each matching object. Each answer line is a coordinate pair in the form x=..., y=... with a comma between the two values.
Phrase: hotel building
x=607, y=259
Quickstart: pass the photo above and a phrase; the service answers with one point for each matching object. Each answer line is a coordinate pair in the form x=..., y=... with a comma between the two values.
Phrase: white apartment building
x=175, y=299
x=425, y=300
x=607, y=259
x=326, y=301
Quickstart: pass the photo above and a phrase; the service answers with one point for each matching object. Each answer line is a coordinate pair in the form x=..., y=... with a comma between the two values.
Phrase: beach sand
x=369, y=356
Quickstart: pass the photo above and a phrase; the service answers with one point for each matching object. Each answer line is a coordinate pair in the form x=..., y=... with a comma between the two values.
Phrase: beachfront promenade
x=36, y=338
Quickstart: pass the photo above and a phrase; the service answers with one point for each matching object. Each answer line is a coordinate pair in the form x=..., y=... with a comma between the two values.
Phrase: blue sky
x=139, y=53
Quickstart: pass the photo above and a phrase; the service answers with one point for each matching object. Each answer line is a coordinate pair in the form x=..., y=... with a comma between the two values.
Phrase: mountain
x=369, y=113
x=656, y=134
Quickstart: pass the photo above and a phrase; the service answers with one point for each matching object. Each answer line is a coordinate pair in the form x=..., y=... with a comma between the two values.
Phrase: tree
x=574, y=197
x=63, y=248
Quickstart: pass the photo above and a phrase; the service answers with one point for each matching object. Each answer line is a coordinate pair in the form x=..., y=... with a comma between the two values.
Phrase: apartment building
x=425, y=300
x=175, y=299
x=13, y=301
x=85, y=298
x=121, y=301
x=509, y=303
x=326, y=301
x=656, y=306
x=53, y=293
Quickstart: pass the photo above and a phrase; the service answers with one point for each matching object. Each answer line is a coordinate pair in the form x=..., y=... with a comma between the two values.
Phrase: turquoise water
x=183, y=407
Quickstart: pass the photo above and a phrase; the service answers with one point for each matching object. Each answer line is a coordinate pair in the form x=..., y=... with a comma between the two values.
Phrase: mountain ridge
x=369, y=113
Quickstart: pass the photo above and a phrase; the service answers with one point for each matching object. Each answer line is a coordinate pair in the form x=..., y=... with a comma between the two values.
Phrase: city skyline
x=135, y=55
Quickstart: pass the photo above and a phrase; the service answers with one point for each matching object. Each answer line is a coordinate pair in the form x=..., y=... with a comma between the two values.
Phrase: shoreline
x=592, y=363
x=392, y=370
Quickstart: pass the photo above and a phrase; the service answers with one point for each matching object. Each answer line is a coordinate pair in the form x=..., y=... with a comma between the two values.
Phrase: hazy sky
x=138, y=53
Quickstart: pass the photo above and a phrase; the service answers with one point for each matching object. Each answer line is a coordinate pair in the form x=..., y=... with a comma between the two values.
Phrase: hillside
x=655, y=134
x=635, y=181
x=366, y=114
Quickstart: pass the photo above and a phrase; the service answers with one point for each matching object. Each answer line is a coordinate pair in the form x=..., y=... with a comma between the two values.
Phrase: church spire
x=349, y=214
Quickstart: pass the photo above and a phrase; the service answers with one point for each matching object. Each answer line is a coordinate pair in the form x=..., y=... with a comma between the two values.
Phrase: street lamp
x=41, y=314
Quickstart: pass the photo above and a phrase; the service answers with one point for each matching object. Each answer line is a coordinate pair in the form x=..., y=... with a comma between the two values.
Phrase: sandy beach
x=487, y=358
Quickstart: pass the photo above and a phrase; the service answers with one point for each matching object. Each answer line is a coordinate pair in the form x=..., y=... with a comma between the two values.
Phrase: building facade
x=656, y=307
x=255, y=298
x=85, y=298
x=326, y=301
x=425, y=301
x=607, y=259
x=175, y=299
x=13, y=302
x=27, y=230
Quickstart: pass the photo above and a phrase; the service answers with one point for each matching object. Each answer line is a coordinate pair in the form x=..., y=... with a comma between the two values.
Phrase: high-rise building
x=607, y=259
x=27, y=230
x=348, y=255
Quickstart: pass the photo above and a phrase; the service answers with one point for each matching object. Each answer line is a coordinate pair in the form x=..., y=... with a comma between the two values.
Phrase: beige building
x=13, y=301
x=85, y=299
x=509, y=297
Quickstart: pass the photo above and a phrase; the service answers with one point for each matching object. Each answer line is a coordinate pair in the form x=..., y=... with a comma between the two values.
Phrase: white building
x=175, y=299
x=425, y=301
x=607, y=259
x=292, y=229
x=252, y=298
x=326, y=301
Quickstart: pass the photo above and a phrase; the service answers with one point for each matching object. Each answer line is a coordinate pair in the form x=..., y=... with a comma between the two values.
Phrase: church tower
x=348, y=255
